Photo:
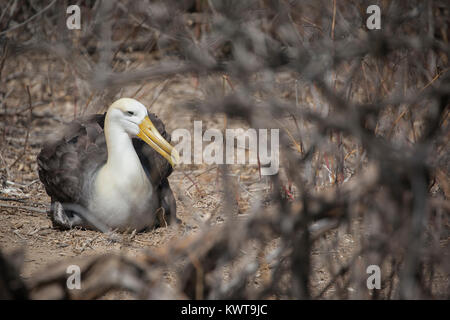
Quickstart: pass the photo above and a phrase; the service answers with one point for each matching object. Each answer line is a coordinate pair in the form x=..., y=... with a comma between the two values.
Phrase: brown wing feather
x=68, y=158
x=68, y=162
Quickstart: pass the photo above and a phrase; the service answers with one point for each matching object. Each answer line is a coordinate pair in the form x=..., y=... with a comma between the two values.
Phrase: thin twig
x=333, y=23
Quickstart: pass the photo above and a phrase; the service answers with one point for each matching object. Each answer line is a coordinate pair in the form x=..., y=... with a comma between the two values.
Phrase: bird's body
x=100, y=175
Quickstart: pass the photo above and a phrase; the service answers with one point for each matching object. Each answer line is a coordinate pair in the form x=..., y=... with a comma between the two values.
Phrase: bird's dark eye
x=131, y=113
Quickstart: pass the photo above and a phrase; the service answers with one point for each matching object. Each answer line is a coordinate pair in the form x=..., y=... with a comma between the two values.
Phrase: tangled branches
x=364, y=122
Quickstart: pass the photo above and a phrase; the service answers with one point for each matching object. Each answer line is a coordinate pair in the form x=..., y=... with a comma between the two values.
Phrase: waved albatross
x=109, y=171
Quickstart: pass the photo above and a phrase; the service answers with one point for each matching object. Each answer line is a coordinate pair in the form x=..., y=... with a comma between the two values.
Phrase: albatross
x=109, y=171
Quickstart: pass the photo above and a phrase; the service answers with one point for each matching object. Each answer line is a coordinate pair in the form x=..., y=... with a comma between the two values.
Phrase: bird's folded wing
x=70, y=156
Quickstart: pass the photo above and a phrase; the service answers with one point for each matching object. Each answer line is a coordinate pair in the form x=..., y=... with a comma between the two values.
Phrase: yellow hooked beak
x=153, y=138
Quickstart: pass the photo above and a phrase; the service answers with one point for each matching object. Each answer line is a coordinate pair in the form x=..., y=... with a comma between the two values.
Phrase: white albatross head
x=132, y=117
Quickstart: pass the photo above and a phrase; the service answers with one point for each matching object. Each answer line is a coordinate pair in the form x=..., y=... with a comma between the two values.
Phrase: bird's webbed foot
x=63, y=219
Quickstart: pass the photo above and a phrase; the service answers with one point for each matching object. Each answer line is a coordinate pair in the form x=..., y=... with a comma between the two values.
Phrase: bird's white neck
x=123, y=169
x=121, y=153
